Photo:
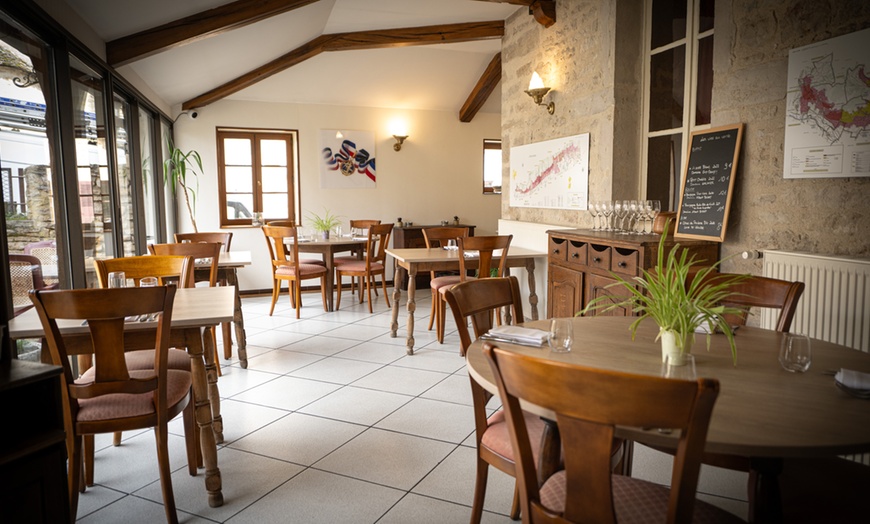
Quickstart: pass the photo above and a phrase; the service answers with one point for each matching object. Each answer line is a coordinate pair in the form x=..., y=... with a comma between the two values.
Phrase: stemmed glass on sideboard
x=624, y=216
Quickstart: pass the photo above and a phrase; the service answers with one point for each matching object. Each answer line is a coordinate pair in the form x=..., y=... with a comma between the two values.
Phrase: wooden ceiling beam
x=195, y=27
x=544, y=11
x=488, y=80
x=427, y=35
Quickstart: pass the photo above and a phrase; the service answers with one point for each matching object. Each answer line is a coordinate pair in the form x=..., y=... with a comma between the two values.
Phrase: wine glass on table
x=634, y=208
x=608, y=212
x=148, y=282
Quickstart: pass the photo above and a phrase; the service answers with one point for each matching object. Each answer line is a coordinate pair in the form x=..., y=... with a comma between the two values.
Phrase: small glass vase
x=670, y=347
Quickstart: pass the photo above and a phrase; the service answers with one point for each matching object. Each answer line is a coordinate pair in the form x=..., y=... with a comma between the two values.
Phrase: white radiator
x=835, y=305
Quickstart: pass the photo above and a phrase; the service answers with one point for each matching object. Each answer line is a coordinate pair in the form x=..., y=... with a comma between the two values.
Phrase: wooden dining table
x=763, y=412
x=328, y=248
x=414, y=260
x=194, y=311
x=228, y=265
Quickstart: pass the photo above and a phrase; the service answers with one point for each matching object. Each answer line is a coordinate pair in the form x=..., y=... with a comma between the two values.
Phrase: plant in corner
x=324, y=224
x=176, y=170
x=676, y=299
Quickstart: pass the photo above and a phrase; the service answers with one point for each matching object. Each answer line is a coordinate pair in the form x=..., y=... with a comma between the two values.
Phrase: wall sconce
x=399, y=140
x=537, y=91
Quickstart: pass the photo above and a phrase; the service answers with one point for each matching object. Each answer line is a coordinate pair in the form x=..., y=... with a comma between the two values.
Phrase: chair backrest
x=438, y=236
x=105, y=311
x=207, y=251
x=485, y=247
x=165, y=267
x=376, y=245
x=41, y=244
x=282, y=223
x=283, y=244
x=224, y=237
x=363, y=224
x=25, y=272
x=588, y=404
x=766, y=292
x=477, y=299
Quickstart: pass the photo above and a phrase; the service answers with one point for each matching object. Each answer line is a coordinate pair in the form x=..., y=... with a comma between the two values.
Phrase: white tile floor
x=331, y=422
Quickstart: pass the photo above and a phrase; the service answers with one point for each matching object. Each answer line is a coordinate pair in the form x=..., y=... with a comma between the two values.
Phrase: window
x=257, y=172
x=491, y=167
x=679, y=86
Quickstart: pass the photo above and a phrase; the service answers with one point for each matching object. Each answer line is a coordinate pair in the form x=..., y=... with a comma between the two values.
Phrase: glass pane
x=274, y=179
x=149, y=175
x=124, y=176
x=168, y=197
x=704, y=92
x=240, y=205
x=237, y=152
x=664, y=169
x=89, y=120
x=668, y=22
x=273, y=153
x=667, y=74
x=275, y=206
x=239, y=180
x=706, y=15
x=26, y=182
x=492, y=171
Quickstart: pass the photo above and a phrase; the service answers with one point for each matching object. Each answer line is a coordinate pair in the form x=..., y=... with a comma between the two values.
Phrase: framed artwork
x=348, y=159
x=552, y=174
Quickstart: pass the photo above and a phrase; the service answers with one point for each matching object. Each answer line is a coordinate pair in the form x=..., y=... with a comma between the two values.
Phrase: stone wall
x=592, y=57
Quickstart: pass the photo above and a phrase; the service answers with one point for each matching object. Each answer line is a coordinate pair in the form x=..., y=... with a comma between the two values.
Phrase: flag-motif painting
x=348, y=159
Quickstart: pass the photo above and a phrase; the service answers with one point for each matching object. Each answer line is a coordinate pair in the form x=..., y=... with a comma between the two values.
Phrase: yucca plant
x=676, y=300
x=176, y=169
x=325, y=223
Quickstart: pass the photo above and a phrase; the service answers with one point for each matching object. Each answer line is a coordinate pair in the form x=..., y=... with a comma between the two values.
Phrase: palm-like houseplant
x=677, y=299
x=324, y=224
x=179, y=171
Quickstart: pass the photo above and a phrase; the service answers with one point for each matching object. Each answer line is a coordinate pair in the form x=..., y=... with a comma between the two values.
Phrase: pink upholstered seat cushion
x=305, y=270
x=144, y=359
x=635, y=501
x=444, y=281
x=338, y=261
x=443, y=289
x=312, y=261
x=360, y=265
x=498, y=439
x=124, y=405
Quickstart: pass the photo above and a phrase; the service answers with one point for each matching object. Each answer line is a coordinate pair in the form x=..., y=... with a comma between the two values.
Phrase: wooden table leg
x=199, y=355
x=412, y=306
x=238, y=319
x=394, y=321
x=533, y=296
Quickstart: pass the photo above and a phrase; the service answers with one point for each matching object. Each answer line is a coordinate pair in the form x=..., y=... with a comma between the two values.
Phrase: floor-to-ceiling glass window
x=150, y=172
x=26, y=163
x=124, y=176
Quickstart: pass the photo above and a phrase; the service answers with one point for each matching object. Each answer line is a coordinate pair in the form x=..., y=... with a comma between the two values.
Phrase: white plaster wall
x=437, y=174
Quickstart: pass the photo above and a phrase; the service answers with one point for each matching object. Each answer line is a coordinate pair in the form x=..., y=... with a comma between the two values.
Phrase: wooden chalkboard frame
x=720, y=169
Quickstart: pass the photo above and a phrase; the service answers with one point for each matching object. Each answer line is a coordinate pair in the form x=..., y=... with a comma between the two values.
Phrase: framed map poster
x=553, y=174
x=827, y=122
x=348, y=159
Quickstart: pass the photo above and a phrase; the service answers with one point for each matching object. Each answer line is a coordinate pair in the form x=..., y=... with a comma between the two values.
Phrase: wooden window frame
x=255, y=135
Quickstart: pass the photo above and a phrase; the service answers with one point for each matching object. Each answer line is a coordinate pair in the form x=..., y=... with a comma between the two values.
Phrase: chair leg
x=479, y=491
x=227, y=329
x=323, y=292
x=191, y=440
x=217, y=361
x=88, y=452
x=515, y=505
x=296, y=295
x=276, y=289
x=369, y=284
x=434, y=308
x=74, y=473
x=384, y=286
x=338, y=298
x=442, y=313
x=161, y=434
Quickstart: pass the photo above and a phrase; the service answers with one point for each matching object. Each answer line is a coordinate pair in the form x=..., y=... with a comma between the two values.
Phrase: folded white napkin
x=360, y=238
x=519, y=334
x=471, y=254
x=853, y=379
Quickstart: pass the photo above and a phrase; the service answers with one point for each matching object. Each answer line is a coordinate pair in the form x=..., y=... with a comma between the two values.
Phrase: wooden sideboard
x=581, y=263
x=33, y=485
x=412, y=236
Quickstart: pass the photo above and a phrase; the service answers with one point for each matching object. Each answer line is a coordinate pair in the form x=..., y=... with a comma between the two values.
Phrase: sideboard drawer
x=577, y=252
x=558, y=249
x=624, y=261
x=598, y=256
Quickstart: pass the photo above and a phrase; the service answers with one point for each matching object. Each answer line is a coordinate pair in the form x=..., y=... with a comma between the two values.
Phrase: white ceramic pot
x=670, y=347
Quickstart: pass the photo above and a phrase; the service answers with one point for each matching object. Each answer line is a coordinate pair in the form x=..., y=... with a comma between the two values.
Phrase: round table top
x=762, y=410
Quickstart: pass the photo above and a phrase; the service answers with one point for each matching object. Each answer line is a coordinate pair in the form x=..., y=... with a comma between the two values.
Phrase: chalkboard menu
x=708, y=182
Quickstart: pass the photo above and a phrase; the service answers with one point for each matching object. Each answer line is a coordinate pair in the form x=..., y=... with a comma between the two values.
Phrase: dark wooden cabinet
x=412, y=236
x=33, y=485
x=581, y=264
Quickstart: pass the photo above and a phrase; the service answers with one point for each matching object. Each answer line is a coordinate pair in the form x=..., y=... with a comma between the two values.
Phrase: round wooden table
x=762, y=412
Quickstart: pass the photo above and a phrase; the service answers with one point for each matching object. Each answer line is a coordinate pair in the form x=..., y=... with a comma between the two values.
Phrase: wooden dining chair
x=210, y=251
x=372, y=265
x=483, y=249
x=588, y=404
x=109, y=397
x=25, y=273
x=363, y=225
x=437, y=237
x=283, y=244
x=475, y=301
x=225, y=238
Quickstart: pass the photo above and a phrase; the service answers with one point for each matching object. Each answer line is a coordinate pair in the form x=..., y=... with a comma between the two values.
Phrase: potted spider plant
x=176, y=170
x=678, y=299
x=324, y=224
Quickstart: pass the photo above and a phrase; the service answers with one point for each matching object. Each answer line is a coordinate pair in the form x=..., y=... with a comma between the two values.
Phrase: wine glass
x=655, y=209
x=148, y=282
x=590, y=207
x=608, y=211
x=635, y=210
x=561, y=335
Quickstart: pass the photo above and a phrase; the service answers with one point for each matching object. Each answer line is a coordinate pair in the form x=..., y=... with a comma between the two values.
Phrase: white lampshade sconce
x=537, y=91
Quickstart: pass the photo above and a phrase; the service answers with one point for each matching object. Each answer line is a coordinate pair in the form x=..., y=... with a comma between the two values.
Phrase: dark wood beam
x=544, y=11
x=195, y=27
x=488, y=80
x=436, y=34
